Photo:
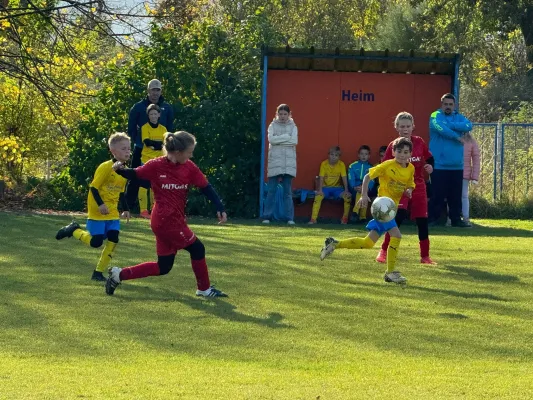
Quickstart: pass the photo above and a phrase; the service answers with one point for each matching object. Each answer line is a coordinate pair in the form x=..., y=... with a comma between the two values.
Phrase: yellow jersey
x=109, y=185
x=393, y=179
x=332, y=173
x=149, y=132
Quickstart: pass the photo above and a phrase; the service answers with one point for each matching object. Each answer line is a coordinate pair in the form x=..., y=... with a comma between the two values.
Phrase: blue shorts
x=381, y=227
x=333, y=193
x=95, y=227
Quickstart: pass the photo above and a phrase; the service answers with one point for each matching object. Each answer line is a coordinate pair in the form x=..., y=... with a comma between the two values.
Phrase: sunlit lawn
x=292, y=328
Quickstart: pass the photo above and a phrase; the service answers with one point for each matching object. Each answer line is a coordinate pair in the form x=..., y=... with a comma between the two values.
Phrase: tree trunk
x=526, y=25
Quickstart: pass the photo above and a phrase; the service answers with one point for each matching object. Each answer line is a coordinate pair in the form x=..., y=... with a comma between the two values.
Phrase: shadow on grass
x=455, y=293
x=481, y=275
x=218, y=307
x=452, y=315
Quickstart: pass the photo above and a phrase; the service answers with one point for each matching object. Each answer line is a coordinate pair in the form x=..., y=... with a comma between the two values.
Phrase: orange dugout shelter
x=349, y=98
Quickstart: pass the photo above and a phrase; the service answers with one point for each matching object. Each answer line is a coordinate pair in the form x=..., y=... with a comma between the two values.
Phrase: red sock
x=139, y=271
x=386, y=241
x=424, y=248
x=199, y=268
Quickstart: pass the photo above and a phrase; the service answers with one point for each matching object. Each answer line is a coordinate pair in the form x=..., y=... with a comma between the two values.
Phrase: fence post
x=495, y=160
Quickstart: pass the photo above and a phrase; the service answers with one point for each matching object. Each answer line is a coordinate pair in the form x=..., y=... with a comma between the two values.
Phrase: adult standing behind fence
x=282, y=138
x=470, y=172
x=138, y=117
x=446, y=138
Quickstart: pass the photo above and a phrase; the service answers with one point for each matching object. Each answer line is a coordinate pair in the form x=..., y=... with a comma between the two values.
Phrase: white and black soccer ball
x=383, y=209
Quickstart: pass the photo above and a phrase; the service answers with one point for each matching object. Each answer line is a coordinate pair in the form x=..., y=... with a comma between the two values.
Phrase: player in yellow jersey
x=152, y=137
x=396, y=177
x=103, y=220
x=332, y=184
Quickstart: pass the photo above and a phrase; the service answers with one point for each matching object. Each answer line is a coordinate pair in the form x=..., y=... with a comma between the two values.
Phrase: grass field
x=292, y=328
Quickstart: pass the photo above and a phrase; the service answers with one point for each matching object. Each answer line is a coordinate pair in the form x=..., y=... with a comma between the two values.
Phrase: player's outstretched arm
x=213, y=197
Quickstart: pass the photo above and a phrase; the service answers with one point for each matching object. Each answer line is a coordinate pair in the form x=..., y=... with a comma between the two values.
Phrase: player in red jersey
x=170, y=178
x=422, y=159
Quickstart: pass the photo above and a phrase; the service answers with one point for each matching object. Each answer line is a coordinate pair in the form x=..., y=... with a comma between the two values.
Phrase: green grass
x=292, y=328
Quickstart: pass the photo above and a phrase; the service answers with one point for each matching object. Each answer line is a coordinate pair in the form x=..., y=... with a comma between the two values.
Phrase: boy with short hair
x=356, y=172
x=332, y=184
x=396, y=178
x=103, y=220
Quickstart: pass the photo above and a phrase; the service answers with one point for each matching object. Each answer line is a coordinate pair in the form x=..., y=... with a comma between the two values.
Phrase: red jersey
x=418, y=158
x=170, y=184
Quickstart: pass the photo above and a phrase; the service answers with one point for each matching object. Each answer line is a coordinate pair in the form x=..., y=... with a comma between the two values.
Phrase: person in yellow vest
x=103, y=219
x=333, y=184
x=152, y=137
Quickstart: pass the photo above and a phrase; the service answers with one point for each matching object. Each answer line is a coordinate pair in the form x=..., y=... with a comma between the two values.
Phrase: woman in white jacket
x=282, y=138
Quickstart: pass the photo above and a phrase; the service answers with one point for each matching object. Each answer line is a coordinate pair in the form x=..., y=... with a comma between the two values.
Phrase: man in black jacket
x=138, y=117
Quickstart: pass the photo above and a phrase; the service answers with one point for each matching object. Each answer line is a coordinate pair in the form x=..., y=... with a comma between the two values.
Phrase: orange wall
x=324, y=119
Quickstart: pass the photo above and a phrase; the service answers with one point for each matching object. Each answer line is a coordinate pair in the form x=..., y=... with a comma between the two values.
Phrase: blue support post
x=263, y=133
x=455, y=89
x=502, y=150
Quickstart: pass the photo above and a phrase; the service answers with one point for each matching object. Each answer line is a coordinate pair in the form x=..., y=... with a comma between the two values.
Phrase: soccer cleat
x=382, y=256
x=98, y=276
x=211, y=292
x=329, y=247
x=394, y=277
x=67, y=231
x=344, y=220
x=266, y=221
x=113, y=281
x=312, y=222
x=427, y=260
x=145, y=214
x=291, y=222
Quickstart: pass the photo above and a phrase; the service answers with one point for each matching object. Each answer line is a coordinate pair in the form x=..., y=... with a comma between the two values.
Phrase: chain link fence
x=506, y=161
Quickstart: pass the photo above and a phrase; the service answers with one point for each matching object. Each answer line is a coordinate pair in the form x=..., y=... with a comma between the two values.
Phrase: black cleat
x=98, y=276
x=113, y=281
x=67, y=231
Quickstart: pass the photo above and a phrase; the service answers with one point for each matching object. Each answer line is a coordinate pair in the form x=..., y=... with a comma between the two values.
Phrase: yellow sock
x=82, y=236
x=356, y=243
x=107, y=255
x=392, y=253
x=143, y=199
x=347, y=204
x=316, y=206
x=355, y=208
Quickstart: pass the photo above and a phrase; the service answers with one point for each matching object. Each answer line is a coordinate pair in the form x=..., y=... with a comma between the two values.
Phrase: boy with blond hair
x=103, y=220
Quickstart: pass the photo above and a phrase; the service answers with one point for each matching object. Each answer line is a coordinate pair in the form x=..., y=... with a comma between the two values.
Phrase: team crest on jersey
x=174, y=186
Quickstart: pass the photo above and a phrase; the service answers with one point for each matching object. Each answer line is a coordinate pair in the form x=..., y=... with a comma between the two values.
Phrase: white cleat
x=329, y=247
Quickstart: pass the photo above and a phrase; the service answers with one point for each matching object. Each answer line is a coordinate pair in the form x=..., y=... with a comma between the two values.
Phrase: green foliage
x=211, y=76
x=481, y=207
x=59, y=193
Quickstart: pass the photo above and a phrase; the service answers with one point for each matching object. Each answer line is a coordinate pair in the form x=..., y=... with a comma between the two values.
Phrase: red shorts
x=170, y=240
x=417, y=204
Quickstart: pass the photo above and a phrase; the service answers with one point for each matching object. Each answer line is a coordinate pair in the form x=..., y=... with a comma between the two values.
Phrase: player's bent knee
x=165, y=264
x=112, y=236
x=196, y=250
x=97, y=241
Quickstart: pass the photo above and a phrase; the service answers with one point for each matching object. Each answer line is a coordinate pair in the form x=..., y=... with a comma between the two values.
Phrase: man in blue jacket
x=446, y=138
x=138, y=117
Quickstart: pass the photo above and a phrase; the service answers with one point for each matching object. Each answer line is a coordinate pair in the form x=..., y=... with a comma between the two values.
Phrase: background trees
x=70, y=71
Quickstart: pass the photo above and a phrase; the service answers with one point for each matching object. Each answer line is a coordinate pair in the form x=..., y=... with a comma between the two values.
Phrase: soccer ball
x=383, y=209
